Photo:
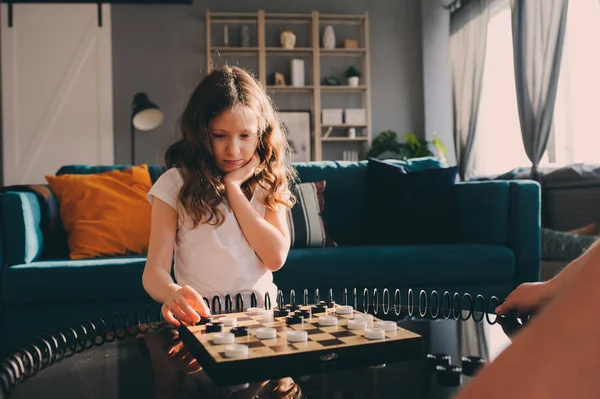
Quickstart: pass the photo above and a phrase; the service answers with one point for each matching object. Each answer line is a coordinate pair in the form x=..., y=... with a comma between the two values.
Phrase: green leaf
x=439, y=147
x=413, y=147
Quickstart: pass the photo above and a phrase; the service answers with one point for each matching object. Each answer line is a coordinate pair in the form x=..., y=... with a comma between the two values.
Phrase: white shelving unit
x=312, y=24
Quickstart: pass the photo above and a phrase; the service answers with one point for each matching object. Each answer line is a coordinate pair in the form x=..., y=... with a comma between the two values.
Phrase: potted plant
x=386, y=143
x=353, y=75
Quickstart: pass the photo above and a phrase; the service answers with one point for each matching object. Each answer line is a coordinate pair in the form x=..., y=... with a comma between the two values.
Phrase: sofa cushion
x=304, y=218
x=116, y=223
x=393, y=266
x=345, y=192
x=154, y=170
x=409, y=208
x=23, y=239
x=54, y=238
x=484, y=211
x=60, y=281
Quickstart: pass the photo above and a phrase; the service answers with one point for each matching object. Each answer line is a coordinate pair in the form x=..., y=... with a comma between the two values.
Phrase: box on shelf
x=331, y=116
x=355, y=116
x=349, y=43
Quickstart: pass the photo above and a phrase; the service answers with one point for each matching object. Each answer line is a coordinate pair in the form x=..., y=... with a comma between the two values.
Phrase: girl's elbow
x=276, y=263
x=275, y=267
x=145, y=280
x=148, y=279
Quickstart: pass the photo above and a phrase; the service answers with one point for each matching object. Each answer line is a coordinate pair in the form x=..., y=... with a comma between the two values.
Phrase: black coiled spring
x=52, y=348
x=48, y=349
x=407, y=303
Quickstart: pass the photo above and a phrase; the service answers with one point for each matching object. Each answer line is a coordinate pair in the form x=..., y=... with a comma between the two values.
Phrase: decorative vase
x=329, y=37
x=353, y=81
x=245, y=36
x=297, y=68
x=287, y=39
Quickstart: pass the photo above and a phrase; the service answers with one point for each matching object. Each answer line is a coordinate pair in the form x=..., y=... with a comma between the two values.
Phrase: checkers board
x=327, y=347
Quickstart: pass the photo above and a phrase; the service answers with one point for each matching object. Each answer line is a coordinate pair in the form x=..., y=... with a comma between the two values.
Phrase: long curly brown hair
x=203, y=190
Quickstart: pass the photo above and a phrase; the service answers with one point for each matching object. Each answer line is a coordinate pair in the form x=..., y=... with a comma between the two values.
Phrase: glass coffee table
x=157, y=364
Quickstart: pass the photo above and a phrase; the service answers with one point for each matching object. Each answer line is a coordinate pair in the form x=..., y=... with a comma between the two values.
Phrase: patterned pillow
x=564, y=246
x=53, y=233
x=307, y=229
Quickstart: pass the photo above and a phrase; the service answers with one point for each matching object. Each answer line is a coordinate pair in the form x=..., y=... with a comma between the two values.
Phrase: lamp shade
x=145, y=115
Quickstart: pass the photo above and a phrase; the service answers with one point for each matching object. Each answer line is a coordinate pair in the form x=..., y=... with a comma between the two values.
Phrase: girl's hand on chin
x=239, y=176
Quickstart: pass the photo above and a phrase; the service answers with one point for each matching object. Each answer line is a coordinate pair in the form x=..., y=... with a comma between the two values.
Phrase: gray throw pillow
x=560, y=245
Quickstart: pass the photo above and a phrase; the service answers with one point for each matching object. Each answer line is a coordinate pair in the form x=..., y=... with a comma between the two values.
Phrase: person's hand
x=239, y=176
x=510, y=326
x=186, y=305
x=527, y=298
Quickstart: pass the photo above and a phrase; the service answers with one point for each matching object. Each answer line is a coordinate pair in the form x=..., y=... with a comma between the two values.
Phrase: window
x=577, y=110
x=498, y=146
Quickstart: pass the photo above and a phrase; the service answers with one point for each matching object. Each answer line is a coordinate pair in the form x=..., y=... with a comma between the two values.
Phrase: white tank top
x=215, y=261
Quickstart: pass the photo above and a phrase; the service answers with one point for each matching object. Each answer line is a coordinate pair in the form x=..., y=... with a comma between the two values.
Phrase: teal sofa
x=499, y=227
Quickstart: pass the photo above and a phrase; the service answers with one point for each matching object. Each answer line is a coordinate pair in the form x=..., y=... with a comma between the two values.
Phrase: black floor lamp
x=145, y=115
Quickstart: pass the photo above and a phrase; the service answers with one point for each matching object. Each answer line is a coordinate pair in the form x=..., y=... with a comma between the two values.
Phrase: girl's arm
x=182, y=302
x=157, y=279
x=268, y=236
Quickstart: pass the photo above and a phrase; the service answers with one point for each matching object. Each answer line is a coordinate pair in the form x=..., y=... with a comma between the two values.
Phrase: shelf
x=294, y=51
x=290, y=88
x=342, y=52
x=345, y=125
x=344, y=139
x=235, y=50
x=342, y=18
x=234, y=21
x=285, y=19
x=343, y=88
x=286, y=16
x=233, y=14
x=271, y=57
x=340, y=22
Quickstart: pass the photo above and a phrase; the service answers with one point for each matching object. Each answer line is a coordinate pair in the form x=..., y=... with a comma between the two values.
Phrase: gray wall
x=437, y=80
x=160, y=50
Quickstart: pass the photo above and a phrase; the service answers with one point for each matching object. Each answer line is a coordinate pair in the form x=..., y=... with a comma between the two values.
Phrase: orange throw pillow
x=105, y=214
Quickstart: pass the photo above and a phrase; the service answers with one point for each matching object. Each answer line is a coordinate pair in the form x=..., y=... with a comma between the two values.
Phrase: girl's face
x=234, y=138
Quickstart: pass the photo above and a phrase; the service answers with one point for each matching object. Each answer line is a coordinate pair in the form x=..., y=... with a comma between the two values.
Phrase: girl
x=222, y=204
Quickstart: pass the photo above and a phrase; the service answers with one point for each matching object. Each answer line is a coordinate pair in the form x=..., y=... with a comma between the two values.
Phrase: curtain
x=538, y=28
x=468, y=37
